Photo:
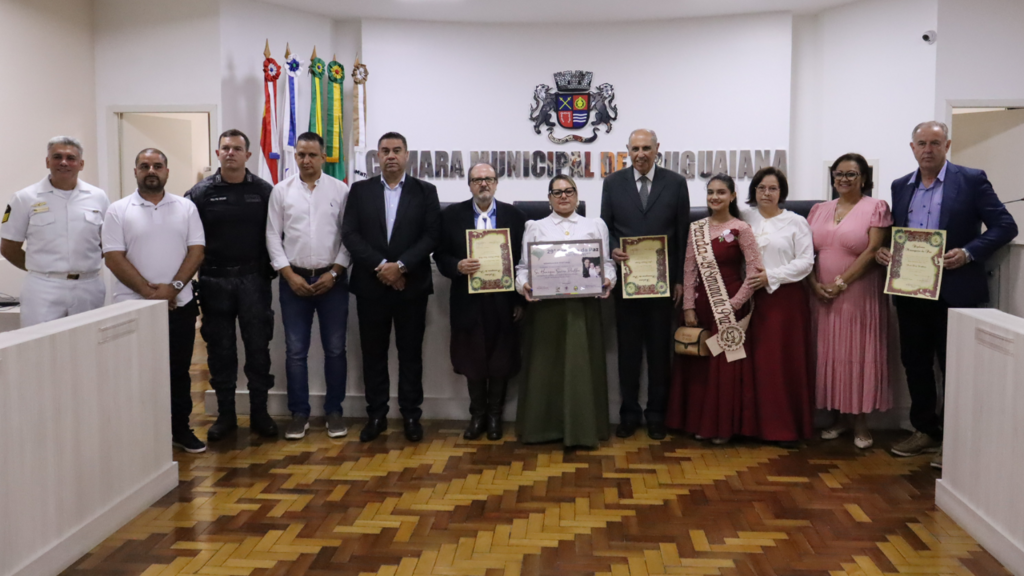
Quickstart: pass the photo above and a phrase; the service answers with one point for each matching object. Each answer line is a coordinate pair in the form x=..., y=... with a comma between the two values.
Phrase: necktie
x=483, y=222
x=645, y=191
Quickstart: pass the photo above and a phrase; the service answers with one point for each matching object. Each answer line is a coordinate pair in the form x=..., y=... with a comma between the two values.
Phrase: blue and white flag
x=290, y=128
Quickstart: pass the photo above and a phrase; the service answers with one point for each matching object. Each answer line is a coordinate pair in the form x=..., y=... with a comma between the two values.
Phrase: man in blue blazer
x=941, y=195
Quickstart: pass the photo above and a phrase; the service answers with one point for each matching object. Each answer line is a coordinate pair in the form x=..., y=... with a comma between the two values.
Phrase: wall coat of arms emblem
x=572, y=105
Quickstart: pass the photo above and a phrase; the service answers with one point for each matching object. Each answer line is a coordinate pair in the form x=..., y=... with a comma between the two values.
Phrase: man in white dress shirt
x=60, y=216
x=304, y=242
x=153, y=242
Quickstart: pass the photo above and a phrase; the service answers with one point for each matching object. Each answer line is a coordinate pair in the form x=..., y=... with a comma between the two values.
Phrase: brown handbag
x=692, y=341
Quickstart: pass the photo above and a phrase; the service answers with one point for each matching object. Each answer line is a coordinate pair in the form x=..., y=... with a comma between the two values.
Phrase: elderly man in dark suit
x=391, y=226
x=484, y=339
x=941, y=195
x=645, y=200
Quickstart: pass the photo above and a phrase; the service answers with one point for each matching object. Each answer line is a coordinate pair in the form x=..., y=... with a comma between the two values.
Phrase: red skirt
x=781, y=346
x=712, y=397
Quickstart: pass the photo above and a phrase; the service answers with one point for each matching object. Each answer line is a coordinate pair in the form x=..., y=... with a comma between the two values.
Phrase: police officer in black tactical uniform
x=234, y=282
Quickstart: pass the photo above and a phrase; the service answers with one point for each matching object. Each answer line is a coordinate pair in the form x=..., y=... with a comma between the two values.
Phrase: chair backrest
x=536, y=210
x=801, y=207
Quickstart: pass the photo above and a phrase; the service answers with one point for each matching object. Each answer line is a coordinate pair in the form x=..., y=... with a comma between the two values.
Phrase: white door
x=184, y=137
x=993, y=140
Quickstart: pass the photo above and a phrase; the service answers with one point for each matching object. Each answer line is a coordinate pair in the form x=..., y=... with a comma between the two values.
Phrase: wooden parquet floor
x=446, y=506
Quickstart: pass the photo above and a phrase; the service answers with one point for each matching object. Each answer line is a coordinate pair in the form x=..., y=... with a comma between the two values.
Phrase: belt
x=67, y=275
x=307, y=273
x=230, y=271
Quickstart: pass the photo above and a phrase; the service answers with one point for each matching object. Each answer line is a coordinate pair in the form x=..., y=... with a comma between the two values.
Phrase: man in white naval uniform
x=60, y=217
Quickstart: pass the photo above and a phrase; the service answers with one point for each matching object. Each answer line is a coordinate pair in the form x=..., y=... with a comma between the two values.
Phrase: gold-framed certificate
x=493, y=249
x=566, y=268
x=645, y=274
x=915, y=269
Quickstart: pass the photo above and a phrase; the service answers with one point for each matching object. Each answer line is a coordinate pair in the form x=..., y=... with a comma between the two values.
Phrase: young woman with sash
x=564, y=395
x=713, y=397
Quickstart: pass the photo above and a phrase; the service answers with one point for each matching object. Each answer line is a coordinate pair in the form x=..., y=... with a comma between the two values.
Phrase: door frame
x=114, y=133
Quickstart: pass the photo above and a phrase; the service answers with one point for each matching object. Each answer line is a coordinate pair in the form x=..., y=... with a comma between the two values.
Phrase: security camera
x=930, y=36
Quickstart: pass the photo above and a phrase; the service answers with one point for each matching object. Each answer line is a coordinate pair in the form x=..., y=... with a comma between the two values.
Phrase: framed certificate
x=916, y=266
x=645, y=274
x=492, y=249
x=567, y=268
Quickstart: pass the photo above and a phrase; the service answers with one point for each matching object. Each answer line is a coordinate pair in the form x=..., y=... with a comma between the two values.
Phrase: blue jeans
x=297, y=314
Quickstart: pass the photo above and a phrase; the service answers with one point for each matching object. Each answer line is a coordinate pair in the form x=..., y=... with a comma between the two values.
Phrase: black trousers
x=922, y=339
x=246, y=299
x=410, y=319
x=644, y=324
x=181, y=323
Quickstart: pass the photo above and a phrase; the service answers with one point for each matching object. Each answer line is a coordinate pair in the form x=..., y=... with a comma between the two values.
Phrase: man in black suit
x=391, y=226
x=944, y=196
x=484, y=339
x=644, y=200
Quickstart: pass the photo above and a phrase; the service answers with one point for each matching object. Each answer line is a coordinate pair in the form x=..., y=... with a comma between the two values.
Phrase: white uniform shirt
x=61, y=229
x=554, y=228
x=155, y=239
x=303, y=227
x=787, y=249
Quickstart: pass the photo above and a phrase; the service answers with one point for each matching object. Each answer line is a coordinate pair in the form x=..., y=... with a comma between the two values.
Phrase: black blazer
x=667, y=212
x=968, y=200
x=414, y=236
x=455, y=220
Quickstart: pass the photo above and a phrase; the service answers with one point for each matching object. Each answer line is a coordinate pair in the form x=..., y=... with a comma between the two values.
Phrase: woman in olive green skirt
x=564, y=395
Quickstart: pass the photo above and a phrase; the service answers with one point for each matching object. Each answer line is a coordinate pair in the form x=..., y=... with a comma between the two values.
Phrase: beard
x=150, y=184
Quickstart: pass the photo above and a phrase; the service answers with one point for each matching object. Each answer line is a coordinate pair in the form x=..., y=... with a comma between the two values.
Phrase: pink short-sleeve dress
x=851, y=331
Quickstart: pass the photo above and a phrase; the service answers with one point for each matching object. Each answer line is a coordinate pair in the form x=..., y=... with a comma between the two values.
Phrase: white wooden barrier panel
x=983, y=447
x=85, y=432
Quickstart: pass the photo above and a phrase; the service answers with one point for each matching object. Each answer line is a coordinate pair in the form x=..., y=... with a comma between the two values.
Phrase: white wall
x=153, y=57
x=59, y=100
x=980, y=49
x=703, y=84
x=862, y=79
x=87, y=431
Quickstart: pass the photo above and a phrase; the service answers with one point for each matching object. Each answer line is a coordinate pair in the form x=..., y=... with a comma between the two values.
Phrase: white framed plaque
x=566, y=268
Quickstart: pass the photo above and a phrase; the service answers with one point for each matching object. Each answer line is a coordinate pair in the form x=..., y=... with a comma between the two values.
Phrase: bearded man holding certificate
x=956, y=200
x=481, y=240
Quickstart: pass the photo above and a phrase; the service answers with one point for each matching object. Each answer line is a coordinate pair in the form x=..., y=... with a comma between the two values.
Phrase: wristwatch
x=178, y=285
x=334, y=275
x=402, y=268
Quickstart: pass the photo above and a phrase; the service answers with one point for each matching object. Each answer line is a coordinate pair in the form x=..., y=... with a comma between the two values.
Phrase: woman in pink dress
x=850, y=312
x=714, y=397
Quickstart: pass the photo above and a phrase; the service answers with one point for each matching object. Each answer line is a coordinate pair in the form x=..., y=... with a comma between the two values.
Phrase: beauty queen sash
x=731, y=334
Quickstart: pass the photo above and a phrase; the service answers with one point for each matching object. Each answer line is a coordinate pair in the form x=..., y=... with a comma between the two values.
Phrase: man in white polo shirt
x=153, y=242
x=60, y=217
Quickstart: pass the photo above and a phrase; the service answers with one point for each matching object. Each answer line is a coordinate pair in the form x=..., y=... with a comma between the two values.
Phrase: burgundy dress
x=712, y=397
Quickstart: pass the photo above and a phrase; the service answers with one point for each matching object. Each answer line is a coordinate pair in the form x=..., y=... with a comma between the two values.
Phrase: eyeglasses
x=762, y=189
x=848, y=175
x=567, y=193
x=479, y=181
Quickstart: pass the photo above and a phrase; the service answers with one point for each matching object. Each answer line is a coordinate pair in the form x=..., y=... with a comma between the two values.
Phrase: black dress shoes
x=413, y=429
x=494, y=427
x=626, y=428
x=656, y=430
x=476, y=427
x=374, y=427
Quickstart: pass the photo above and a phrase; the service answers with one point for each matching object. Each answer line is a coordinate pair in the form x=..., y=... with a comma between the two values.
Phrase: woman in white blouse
x=564, y=395
x=780, y=327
